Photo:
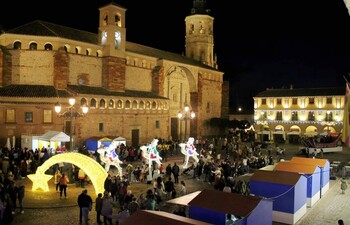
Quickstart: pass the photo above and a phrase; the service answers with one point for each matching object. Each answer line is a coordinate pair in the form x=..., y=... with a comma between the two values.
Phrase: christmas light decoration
x=93, y=169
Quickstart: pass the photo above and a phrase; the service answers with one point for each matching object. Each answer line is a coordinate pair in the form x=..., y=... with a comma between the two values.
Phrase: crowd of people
x=221, y=162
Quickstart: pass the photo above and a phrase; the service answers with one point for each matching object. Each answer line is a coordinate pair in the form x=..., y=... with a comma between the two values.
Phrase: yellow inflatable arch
x=93, y=169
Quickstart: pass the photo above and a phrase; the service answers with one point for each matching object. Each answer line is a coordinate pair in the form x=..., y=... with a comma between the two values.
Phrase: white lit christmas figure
x=151, y=153
x=109, y=157
x=189, y=150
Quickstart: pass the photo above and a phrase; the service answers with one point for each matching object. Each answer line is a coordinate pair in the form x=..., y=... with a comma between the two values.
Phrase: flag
x=346, y=128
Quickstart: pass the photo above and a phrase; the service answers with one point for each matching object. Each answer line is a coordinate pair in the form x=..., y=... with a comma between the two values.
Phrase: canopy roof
x=55, y=136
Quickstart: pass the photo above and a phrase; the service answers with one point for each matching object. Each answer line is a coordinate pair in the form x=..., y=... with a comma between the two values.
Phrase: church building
x=130, y=90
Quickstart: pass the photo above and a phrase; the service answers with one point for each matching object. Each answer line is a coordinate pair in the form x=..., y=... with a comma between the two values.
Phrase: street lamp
x=71, y=114
x=186, y=115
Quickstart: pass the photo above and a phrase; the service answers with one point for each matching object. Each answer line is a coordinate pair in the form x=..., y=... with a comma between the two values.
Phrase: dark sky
x=259, y=43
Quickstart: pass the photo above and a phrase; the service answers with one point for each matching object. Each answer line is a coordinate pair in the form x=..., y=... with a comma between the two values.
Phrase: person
x=168, y=170
x=57, y=178
x=340, y=222
x=98, y=208
x=122, y=215
x=81, y=177
x=80, y=197
x=141, y=200
x=85, y=205
x=6, y=216
x=20, y=196
x=107, y=208
x=63, y=185
x=183, y=190
x=227, y=188
x=133, y=206
x=343, y=185
x=129, y=170
x=176, y=172
x=181, y=211
x=150, y=202
x=169, y=187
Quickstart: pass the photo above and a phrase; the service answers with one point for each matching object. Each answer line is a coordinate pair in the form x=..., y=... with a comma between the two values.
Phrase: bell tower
x=112, y=31
x=199, y=44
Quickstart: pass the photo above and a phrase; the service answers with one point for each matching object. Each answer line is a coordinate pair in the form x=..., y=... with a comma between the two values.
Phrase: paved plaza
x=47, y=208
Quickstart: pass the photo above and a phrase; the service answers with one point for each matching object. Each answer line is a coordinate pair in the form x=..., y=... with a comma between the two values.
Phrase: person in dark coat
x=98, y=208
x=176, y=172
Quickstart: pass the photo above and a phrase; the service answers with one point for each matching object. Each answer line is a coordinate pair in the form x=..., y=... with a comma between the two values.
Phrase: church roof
x=32, y=91
x=45, y=91
x=43, y=28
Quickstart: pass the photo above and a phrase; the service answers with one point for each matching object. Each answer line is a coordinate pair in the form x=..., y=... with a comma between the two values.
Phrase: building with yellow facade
x=287, y=114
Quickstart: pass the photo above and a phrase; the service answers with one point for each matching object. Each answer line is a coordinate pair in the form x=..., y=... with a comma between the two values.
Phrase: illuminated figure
x=189, y=150
x=109, y=157
x=151, y=153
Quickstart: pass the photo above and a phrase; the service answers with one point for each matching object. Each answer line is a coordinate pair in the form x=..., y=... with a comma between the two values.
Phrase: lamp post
x=71, y=114
x=186, y=115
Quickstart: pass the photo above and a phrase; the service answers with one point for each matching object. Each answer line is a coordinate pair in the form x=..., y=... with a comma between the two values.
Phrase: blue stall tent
x=286, y=190
x=323, y=164
x=105, y=141
x=150, y=217
x=212, y=206
x=311, y=172
x=93, y=143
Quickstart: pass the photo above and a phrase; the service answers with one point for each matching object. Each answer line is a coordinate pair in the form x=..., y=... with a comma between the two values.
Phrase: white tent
x=120, y=140
x=55, y=136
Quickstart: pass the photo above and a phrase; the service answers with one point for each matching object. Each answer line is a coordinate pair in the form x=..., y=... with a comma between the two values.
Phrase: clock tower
x=199, y=34
x=112, y=31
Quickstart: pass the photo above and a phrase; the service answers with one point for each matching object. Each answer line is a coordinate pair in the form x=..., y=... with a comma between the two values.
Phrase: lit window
x=28, y=117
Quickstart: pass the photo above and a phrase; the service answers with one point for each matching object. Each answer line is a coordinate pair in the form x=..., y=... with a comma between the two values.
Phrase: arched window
x=48, y=47
x=127, y=104
x=154, y=105
x=102, y=104
x=119, y=104
x=111, y=104
x=17, y=45
x=33, y=46
x=148, y=105
x=93, y=103
x=134, y=104
x=65, y=49
x=83, y=102
x=142, y=105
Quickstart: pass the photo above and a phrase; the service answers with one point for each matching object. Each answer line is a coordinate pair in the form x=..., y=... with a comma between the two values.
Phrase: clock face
x=105, y=34
x=81, y=81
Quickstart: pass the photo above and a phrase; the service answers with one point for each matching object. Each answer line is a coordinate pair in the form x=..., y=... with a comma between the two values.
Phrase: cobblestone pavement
x=47, y=208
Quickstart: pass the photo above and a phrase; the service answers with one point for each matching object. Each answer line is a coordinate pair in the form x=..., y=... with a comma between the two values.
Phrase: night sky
x=259, y=43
